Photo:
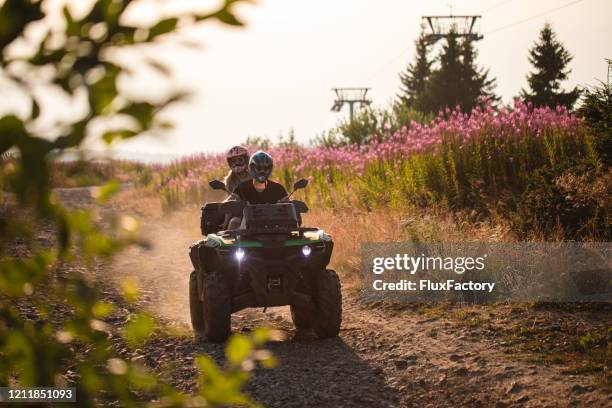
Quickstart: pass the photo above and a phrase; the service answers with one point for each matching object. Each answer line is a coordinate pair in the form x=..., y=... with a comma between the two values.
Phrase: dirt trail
x=378, y=360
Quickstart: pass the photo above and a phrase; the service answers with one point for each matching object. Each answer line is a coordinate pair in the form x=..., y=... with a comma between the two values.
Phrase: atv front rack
x=259, y=231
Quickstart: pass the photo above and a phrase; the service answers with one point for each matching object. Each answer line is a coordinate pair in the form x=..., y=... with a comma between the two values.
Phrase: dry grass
x=351, y=228
x=146, y=203
x=141, y=202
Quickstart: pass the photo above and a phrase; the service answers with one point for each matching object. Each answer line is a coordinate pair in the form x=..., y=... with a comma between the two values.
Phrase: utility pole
x=609, y=60
x=351, y=97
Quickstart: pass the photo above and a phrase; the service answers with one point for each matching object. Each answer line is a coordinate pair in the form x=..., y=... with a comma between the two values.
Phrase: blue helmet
x=260, y=166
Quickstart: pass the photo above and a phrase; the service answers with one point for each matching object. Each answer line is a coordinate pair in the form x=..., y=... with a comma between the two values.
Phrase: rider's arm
x=234, y=196
x=282, y=192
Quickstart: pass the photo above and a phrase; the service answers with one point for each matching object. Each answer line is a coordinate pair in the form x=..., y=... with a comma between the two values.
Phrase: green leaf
x=140, y=378
x=112, y=135
x=103, y=92
x=129, y=289
x=35, y=109
x=12, y=131
x=142, y=112
x=15, y=273
x=208, y=368
x=140, y=327
x=269, y=362
x=261, y=335
x=238, y=349
x=102, y=194
x=163, y=27
x=72, y=27
x=227, y=17
x=102, y=309
x=15, y=16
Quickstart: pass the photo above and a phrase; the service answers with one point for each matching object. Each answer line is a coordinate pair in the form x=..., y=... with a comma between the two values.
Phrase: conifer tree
x=444, y=87
x=475, y=81
x=457, y=81
x=550, y=59
x=414, y=78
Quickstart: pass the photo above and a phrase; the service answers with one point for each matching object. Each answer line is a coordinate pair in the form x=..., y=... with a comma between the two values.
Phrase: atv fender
x=203, y=255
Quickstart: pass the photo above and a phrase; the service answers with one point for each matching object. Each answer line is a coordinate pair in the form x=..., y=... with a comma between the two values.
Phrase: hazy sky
x=276, y=73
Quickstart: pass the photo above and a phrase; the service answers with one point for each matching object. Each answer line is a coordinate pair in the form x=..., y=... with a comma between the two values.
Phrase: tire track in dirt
x=379, y=360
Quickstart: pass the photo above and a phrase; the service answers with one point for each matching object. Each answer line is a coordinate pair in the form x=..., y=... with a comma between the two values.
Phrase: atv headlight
x=306, y=250
x=239, y=254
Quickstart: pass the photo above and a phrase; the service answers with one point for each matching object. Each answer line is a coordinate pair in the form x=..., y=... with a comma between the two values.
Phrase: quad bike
x=269, y=261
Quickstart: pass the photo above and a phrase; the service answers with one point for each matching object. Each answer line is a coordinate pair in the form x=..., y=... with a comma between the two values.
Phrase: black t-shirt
x=273, y=192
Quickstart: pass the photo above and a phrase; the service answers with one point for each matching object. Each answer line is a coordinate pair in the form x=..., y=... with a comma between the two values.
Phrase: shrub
x=573, y=203
x=596, y=110
x=371, y=124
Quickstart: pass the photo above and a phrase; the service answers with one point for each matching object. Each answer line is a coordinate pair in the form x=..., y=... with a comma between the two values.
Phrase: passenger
x=238, y=161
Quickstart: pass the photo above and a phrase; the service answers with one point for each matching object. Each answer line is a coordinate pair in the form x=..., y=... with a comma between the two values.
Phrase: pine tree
x=444, y=86
x=550, y=59
x=475, y=80
x=458, y=81
x=415, y=77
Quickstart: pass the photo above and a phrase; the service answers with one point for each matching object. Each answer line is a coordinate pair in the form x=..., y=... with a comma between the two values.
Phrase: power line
x=493, y=7
x=534, y=17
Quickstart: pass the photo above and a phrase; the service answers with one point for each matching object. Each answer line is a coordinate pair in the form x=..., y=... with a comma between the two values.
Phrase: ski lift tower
x=452, y=26
x=350, y=97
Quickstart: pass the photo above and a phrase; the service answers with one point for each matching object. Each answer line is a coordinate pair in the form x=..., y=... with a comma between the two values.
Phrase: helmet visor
x=237, y=161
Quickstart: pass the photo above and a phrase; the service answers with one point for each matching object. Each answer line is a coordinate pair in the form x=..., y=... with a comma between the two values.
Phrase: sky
x=276, y=73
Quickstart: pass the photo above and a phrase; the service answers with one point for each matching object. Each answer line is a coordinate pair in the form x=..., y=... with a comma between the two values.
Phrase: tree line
x=453, y=78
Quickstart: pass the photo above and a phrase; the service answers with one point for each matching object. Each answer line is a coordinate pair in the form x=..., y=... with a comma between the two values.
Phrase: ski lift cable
x=493, y=7
x=534, y=17
x=392, y=60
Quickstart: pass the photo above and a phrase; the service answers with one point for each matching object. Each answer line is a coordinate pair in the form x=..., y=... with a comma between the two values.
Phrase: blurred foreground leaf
x=51, y=315
x=139, y=328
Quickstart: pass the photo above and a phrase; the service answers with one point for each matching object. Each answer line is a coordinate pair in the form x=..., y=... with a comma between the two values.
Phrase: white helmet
x=238, y=159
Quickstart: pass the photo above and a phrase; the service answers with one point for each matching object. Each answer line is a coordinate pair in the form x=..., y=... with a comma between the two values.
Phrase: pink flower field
x=502, y=143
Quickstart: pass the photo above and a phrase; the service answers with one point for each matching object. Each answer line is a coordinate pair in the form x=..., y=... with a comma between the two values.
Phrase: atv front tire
x=328, y=314
x=302, y=317
x=217, y=307
x=196, y=307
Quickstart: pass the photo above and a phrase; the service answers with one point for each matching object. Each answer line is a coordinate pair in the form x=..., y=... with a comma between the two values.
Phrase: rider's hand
x=233, y=197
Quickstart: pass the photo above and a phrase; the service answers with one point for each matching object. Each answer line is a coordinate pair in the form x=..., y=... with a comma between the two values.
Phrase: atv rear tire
x=302, y=317
x=196, y=307
x=217, y=307
x=328, y=315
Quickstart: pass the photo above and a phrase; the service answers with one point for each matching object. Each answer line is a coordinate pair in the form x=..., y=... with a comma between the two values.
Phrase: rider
x=238, y=161
x=259, y=190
